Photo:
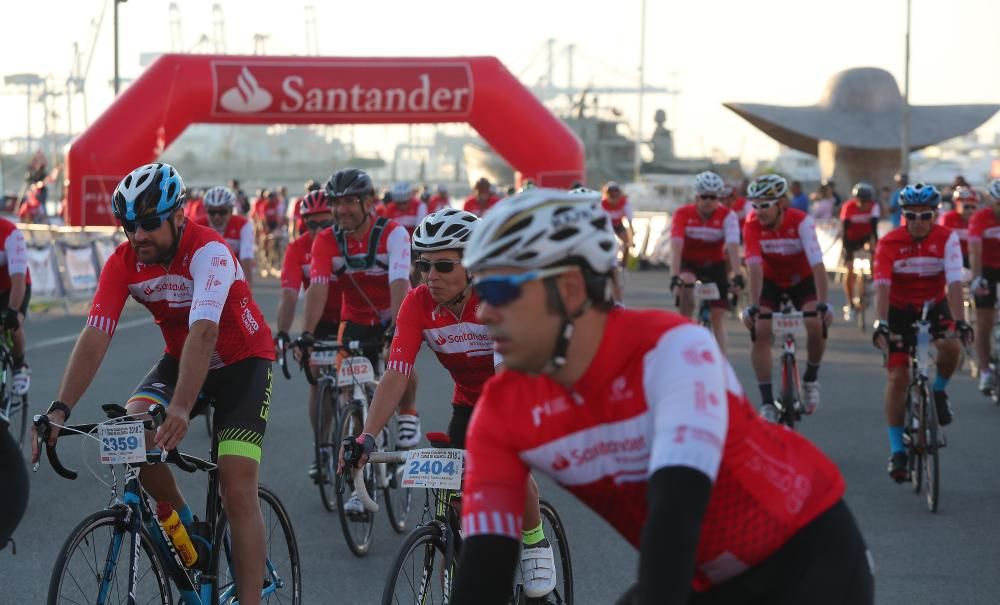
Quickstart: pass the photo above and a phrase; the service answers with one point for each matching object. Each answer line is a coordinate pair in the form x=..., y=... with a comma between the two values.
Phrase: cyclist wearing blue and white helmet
x=217, y=343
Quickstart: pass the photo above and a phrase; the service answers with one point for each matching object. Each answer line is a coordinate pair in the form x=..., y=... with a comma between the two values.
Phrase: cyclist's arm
x=676, y=244
x=83, y=364
x=320, y=276
x=402, y=355
x=209, y=265
x=17, y=267
x=813, y=252
x=756, y=275
x=975, y=256
x=388, y=394
x=291, y=283
x=953, y=275
x=286, y=309
x=398, y=247
x=882, y=279
x=876, y=215
x=731, y=228
x=681, y=472
x=247, y=252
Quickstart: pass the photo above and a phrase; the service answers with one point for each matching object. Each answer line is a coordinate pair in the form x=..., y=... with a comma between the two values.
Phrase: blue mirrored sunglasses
x=499, y=290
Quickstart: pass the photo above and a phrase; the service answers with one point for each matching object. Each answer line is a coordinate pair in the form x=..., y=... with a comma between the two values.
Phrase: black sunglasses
x=148, y=224
x=319, y=224
x=923, y=216
x=218, y=212
x=441, y=266
x=708, y=197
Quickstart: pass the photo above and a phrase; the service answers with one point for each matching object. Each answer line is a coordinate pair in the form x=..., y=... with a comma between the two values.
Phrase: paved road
x=921, y=559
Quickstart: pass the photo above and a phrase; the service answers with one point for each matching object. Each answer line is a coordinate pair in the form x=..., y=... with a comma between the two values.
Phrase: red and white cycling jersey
x=788, y=252
x=917, y=271
x=438, y=202
x=461, y=344
x=365, y=291
x=984, y=227
x=13, y=256
x=408, y=217
x=859, y=220
x=959, y=226
x=295, y=274
x=704, y=241
x=618, y=211
x=742, y=210
x=194, y=210
x=204, y=282
x=473, y=205
x=658, y=394
x=238, y=234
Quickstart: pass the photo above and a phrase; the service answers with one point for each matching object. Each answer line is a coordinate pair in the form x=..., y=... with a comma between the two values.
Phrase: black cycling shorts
x=711, y=273
x=14, y=479
x=850, y=248
x=800, y=294
x=825, y=563
x=326, y=330
x=240, y=394
x=5, y=300
x=459, y=425
x=350, y=331
x=902, y=337
x=992, y=275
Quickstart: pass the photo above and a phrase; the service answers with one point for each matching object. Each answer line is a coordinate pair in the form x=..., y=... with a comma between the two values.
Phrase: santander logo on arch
x=341, y=89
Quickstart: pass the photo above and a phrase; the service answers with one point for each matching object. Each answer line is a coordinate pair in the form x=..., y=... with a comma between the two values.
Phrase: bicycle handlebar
x=321, y=346
x=359, y=479
x=157, y=415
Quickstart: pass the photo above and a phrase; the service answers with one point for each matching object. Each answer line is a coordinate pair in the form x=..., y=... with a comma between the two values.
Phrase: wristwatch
x=58, y=405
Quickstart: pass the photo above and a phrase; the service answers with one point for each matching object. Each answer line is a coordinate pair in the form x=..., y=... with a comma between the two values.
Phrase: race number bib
x=434, y=468
x=355, y=369
x=789, y=323
x=122, y=442
x=709, y=291
x=323, y=358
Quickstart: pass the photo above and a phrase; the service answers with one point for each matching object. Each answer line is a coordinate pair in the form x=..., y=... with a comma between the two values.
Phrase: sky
x=713, y=51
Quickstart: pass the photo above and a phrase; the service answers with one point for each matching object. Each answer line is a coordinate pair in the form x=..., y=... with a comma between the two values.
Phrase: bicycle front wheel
x=326, y=445
x=282, y=581
x=357, y=526
x=420, y=574
x=95, y=560
x=932, y=471
x=398, y=499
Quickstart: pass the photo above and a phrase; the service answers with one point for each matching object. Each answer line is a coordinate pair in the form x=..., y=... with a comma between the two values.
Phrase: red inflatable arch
x=178, y=90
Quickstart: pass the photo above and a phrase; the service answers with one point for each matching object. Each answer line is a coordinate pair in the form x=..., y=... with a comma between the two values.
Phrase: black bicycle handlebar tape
x=485, y=574
x=41, y=422
x=678, y=497
x=178, y=459
x=283, y=362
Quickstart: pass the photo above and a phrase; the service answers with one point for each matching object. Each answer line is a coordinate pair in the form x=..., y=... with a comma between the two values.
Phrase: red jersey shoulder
x=7, y=227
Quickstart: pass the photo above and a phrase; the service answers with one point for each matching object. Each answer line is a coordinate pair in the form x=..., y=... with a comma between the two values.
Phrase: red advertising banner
x=281, y=89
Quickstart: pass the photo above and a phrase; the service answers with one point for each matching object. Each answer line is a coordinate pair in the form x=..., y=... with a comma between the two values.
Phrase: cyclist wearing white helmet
x=638, y=414
x=705, y=240
x=441, y=313
x=783, y=259
x=440, y=200
x=404, y=207
x=235, y=229
x=984, y=261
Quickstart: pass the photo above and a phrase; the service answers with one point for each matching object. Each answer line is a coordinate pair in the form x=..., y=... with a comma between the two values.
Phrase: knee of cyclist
x=899, y=377
x=239, y=498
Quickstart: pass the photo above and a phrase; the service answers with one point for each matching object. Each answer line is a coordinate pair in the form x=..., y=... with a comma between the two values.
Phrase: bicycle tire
x=995, y=391
x=932, y=469
x=17, y=415
x=556, y=535
x=326, y=445
x=358, y=531
x=113, y=520
x=914, y=424
x=788, y=394
x=398, y=499
x=288, y=584
x=430, y=538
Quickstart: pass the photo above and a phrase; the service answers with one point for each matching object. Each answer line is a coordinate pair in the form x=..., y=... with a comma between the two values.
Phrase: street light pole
x=637, y=162
x=117, y=77
x=904, y=138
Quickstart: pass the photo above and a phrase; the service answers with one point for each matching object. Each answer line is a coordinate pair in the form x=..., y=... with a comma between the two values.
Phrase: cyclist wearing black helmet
x=859, y=218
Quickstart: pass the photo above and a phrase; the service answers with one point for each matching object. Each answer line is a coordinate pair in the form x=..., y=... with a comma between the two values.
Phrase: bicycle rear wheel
x=398, y=500
x=420, y=574
x=88, y=564
x=357, y=527
x=913, y=427
x=556, y=535
x=326, y=445
x=282, y=581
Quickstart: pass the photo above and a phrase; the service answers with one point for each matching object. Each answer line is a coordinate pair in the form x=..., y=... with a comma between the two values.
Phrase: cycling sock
x=812, y=371
x=186, y=514
x=896, y=439
x=941, y=382
x=533, y=536
x=766, y=393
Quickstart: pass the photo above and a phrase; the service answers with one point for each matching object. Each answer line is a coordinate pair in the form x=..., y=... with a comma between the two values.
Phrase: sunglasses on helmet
x=763, y=205
x=441, y=266
x=319, y=224
x=148, y=224
x=499, y=290
x=918, y=216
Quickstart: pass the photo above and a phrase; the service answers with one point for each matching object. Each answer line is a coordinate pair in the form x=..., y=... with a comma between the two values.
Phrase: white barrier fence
x=65, y=262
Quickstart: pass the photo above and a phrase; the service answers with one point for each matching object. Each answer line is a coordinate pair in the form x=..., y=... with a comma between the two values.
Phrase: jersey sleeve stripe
x=400, y=366
x=103, y=324
x=319, y=279
x=493, y=523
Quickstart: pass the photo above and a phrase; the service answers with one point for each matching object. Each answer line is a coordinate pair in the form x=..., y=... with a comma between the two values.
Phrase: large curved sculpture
x=855, y=127
x=179, y=90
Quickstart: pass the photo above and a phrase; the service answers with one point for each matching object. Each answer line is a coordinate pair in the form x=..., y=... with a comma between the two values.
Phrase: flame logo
x=247, y=96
